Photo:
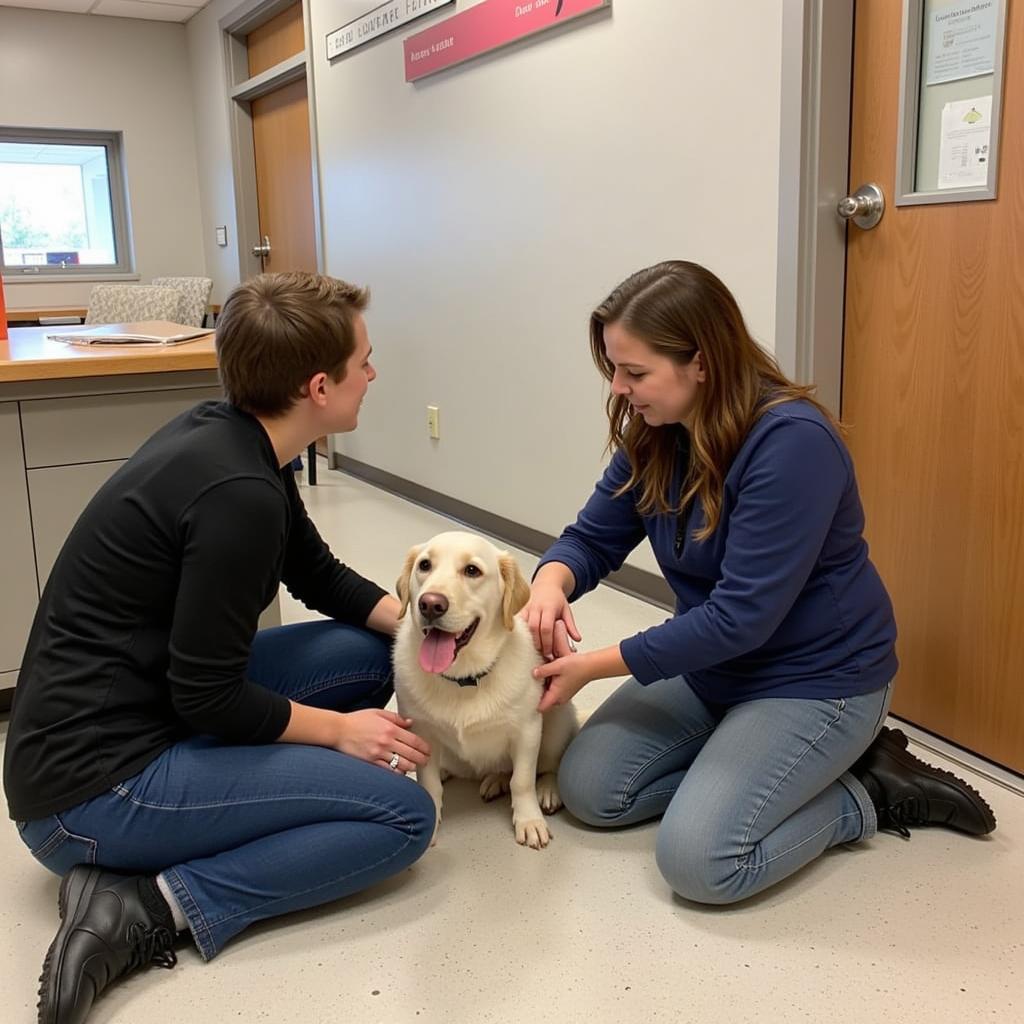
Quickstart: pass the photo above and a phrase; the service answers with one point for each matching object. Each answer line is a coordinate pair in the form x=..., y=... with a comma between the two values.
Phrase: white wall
x=112, y=74
x=490, y=207
x=211, y=120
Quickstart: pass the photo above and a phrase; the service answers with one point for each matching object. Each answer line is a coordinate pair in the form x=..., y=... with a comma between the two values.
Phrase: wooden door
x=284, y=166
x=933, y=390
x=284, y=169
x=284, y=177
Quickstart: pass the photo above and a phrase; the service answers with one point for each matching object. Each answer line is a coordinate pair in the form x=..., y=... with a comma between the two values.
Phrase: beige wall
x=491, y=206
x=76, y=71
x=210, y=115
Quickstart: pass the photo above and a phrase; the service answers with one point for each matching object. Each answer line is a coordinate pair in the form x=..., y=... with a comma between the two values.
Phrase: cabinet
x=20, y=589
x=55, y=453
x=69, y=416
x=59, y=441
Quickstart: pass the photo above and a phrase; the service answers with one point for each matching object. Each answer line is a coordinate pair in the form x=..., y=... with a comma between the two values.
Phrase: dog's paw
x=533, y=833
x=494, y=785
x=548, y=797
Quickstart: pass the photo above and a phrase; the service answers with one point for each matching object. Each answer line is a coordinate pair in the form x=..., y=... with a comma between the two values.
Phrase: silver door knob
x=262, y=251
x=865, y=207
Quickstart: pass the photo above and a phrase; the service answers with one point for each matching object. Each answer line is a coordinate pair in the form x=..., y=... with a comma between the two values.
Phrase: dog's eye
x=472, y=570
x=424, y=565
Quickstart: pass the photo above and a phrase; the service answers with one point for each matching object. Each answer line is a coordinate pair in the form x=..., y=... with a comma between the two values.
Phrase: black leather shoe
x=110, y=925
x=894, y=736
x=907, y=791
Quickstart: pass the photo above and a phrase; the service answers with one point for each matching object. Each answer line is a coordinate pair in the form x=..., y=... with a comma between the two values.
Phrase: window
x=62, y=203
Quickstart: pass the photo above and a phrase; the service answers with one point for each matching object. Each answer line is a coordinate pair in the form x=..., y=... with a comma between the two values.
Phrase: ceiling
x=148, y=10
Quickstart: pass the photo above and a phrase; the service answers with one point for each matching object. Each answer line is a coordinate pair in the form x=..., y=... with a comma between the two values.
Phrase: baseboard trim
x=993, y=771
x=647, y=586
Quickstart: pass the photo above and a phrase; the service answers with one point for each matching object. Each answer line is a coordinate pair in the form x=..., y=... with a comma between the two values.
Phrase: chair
x=195, y=296
x=128, y=303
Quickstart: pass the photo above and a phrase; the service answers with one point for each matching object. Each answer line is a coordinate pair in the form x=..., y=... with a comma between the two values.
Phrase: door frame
x=814, y=161
x=240, y=91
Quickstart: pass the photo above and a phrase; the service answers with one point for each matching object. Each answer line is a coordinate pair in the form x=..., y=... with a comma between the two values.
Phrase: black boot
x=896, y=736
x=110, y=925
x=907, y=791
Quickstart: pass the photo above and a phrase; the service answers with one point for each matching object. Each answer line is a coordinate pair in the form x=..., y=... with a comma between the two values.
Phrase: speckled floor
x=918, y=932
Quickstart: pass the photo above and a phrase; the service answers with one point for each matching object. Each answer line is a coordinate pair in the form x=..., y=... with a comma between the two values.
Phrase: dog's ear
x=515, y=589
x=402, y=586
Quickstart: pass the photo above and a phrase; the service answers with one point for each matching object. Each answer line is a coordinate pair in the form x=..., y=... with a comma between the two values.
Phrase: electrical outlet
x=434, y=422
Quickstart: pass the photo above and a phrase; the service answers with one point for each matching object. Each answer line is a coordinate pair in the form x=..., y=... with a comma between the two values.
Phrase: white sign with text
x=376, y=22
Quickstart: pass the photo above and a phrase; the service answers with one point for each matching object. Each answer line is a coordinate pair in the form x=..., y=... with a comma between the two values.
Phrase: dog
x=464, y=665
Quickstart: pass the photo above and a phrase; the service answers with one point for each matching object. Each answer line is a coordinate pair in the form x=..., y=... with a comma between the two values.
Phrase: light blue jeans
x=746, y=794
x=242, y=833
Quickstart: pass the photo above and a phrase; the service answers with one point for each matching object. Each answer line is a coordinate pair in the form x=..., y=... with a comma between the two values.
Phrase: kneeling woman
x=752, y=724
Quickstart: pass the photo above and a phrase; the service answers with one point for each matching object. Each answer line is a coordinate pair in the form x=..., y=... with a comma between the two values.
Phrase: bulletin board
x=949, y=111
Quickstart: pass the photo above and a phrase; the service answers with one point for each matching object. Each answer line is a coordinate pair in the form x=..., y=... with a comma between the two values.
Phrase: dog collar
x=466, y=680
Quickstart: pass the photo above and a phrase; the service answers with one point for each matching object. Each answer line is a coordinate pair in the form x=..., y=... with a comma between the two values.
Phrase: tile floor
x=480, y=930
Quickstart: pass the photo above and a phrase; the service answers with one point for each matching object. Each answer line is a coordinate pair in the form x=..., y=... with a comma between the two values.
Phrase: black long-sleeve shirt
x=143, y=632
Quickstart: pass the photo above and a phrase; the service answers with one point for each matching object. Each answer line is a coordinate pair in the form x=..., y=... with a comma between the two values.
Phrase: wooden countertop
x=27, y=354
x=31, y=314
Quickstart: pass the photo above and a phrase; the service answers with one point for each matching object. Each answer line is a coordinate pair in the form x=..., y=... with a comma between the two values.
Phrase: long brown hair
x=680, y=309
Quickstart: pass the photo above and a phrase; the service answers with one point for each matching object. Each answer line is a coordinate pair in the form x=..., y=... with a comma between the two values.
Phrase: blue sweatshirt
x=781, y=600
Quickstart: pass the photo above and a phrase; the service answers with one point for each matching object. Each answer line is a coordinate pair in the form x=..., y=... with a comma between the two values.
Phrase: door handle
x=262, y=251
x=865, y=207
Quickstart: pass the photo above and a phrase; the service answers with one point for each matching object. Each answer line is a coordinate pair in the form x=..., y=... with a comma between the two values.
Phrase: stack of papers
x=147, y=332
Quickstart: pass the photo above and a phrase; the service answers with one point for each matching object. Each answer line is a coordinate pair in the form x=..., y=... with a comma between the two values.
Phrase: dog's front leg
x=527, y=819
x=429, y=777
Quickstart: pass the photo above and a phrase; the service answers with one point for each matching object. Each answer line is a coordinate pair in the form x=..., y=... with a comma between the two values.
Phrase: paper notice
x=964, y=144
x=961, y=41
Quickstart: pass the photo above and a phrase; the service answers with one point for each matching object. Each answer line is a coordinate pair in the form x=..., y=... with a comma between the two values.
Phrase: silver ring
x=393, y=763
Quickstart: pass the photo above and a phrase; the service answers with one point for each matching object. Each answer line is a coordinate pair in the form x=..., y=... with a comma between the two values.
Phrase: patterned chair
x=129, y=303
x=195, y=295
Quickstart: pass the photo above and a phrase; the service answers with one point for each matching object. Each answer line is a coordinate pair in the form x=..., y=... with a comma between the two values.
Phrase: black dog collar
x=466, y=680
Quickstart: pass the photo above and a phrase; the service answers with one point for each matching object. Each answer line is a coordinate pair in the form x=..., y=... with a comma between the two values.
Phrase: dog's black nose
x=433, y=606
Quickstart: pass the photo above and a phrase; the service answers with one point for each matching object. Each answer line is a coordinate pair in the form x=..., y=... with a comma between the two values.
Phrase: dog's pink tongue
x=437, y=651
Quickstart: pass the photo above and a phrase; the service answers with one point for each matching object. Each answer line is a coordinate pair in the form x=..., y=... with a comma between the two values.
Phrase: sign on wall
x=376, y=22
x=485, y=27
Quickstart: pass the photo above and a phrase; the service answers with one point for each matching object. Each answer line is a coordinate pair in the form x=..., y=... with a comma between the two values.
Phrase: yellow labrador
x=464, y=673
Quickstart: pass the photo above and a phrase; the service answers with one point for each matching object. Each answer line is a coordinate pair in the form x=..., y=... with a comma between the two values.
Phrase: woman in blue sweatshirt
x=753, y=721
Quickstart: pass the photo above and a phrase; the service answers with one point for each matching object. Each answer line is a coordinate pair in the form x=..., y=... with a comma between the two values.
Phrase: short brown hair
x=278, y=330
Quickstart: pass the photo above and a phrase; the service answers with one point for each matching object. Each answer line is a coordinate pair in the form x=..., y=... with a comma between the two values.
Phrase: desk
x=33, y=316
x=69, y=416
x=27, y=315
x=29, y=355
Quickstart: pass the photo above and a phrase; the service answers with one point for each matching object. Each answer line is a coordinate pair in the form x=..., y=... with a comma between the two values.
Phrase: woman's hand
x=563, y=679
x=549, y=604
x=376, y=735
x=569, y=672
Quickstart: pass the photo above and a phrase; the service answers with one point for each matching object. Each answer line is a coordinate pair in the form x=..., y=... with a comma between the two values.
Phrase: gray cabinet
x=59, y=442
x=73, y=445
x=58, y=496
x=19, y=592
x=100, y=428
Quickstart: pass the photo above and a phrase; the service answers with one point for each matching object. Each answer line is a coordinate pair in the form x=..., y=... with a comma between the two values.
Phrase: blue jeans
x=242, y=833
x=746, y=794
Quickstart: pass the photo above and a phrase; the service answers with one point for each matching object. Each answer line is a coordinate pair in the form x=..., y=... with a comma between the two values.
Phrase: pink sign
x=485, y=27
